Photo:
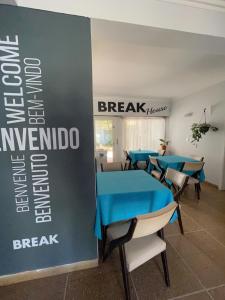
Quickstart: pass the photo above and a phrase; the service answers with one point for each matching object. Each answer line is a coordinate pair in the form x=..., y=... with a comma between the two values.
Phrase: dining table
x=122, y=195
x=141, y=155
x=176, y=162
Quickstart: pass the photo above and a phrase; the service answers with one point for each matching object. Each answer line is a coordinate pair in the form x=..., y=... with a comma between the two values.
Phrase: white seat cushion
x=193, y=180
x=140, y=250
x=156, y=174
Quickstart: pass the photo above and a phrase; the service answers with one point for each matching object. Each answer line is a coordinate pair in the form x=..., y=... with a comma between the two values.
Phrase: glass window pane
x=143, y=133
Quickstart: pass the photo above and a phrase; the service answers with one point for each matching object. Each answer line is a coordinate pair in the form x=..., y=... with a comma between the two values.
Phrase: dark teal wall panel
x=54, y=93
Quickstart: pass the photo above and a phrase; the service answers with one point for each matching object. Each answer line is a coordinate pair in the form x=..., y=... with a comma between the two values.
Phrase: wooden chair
x=128, y=161
x=113, y=166
x=196, y=168
x=139, y=240
x=196, y=157
x=176, y=181
x=157, y=171
x=162, y=152
x=141, y=165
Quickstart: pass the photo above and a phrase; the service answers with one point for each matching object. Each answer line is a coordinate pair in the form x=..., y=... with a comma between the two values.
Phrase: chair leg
x=198, y=190
x=124, y=271
x=146, y=168
x=180, y=220
x=135, y=166
x=195, y=188
x=165, y=268
x=103, y=242
x=100, y=252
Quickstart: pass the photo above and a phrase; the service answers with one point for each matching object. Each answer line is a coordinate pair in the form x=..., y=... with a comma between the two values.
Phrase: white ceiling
x=138, y=61
x=207, y=4
x=141, y=61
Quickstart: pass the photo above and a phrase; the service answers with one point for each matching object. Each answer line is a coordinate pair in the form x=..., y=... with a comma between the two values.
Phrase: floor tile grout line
x=216, y=287
x=177, y=234
x=196, y=276
x=190, y=217
x=205, y=230
x=193, y=220
x=212, y=236
x=198, y=292
x=66, y=284
x=135, y=290
x=210, y=296
x=190, y=269
x=187, y=294
x=204, y=289
x=213, y=288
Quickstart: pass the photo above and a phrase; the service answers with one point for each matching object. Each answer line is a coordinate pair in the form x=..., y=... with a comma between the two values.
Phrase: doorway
x=107, y=138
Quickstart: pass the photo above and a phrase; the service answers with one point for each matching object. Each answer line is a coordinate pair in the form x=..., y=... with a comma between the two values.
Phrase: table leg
x=102, y=243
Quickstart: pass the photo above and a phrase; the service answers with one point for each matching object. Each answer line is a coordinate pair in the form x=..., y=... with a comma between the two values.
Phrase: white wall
x=212, y=146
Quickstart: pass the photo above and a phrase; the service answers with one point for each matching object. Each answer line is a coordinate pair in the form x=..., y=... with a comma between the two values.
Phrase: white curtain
x=143, y=133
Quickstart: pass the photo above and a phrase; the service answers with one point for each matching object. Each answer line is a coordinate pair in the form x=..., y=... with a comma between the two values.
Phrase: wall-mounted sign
x=46, y=140
x=127, y=107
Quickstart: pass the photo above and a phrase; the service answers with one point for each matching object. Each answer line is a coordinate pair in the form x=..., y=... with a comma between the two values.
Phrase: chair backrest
x=125, y=153
x=193, y=166
x=179, y=181
x=150, y=223
x=113, y=166
x=176, y=177
x=196, y=157
x=154, y=162
x=162, y=152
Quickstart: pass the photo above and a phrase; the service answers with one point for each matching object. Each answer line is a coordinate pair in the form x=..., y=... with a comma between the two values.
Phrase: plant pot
x=203, y=128
x=199, y=129
x=163, y=147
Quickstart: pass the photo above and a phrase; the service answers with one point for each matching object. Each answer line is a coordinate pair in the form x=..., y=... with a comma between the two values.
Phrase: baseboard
x=52, y=271
x=211, y=184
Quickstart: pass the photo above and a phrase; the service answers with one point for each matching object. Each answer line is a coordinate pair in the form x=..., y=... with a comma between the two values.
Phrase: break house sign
x=130, y=107
x=46, y=116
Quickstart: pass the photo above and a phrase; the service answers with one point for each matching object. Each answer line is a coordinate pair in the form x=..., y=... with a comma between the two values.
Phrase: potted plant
x=199, y=129
x=164, y=143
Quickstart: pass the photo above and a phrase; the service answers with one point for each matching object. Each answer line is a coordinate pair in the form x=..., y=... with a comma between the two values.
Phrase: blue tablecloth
x=122, y=195
x=141, y=155
x=176, y=162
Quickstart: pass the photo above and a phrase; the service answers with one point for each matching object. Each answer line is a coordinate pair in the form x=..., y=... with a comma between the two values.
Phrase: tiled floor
x=196, y=263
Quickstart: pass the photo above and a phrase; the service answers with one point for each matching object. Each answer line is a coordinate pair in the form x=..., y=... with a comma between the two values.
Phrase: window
x=143, y=133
